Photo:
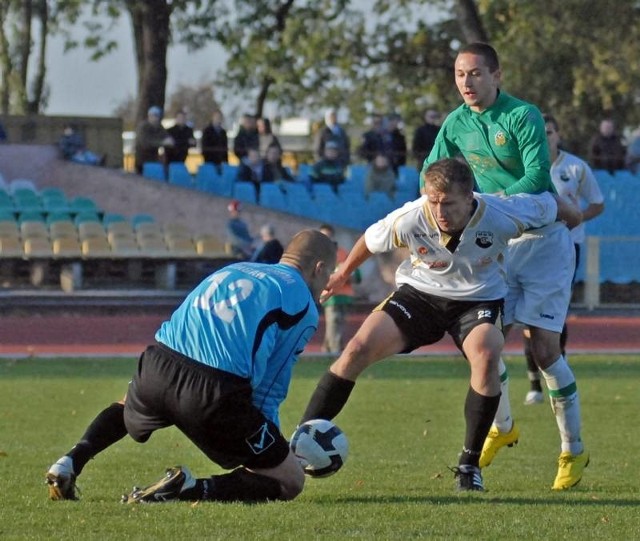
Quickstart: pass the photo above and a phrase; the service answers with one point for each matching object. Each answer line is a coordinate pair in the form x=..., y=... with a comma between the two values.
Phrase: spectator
x=266, y=138
x=73, y=148
x=606, y=150
x=336, y=308
x=330, y=169
x=424, y=137
x=269, y=250
x=183, y=139
x=247, y=136
x=380, y=176
x=633, y=153
x=150, y=136
x=273, y=170
x=215, y=146
x=250, y=168
x=239, y=240
x=397, y=141
x=375, y=140
x=334, y=132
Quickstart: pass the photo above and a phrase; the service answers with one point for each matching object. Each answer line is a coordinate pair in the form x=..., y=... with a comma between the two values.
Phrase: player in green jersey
x=503, y=140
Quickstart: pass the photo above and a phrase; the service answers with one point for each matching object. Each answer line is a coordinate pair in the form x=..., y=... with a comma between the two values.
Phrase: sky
x=81, y=87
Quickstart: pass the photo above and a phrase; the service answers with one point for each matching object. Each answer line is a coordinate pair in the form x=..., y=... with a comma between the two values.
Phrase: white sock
x=565, y=404
x=503, y=420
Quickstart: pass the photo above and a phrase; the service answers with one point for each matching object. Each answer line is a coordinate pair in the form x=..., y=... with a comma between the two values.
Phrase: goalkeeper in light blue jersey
x=219, y=370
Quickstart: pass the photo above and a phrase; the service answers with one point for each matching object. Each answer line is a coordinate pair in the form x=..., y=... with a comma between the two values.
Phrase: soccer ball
x=320, y=446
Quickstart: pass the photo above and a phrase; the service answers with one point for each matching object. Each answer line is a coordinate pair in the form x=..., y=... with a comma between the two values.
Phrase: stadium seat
x=33, y=229
x=96, y=247
x=123, y=228
x=153, y=170
x=245, y=191
x=179, y=175
x=83, y=204
x=87, y=216
x=408, y=178
x=30, y=216
x=112, y=217
x=57, y=216
x=20, y=183
x=176, y=231
x=152, y=245
x=141, y=219
x=91, y=229
x=181, y=247
x=304, y=172
x=66, y=246
x=357, y=173
x=123, y=245
x=272, y=196
x=9, y=228
x=210, y=246
x=10, y=246
x=52, y=193
x=206, y=177
x=148, y=229
x=37, y=247
x=61, y=229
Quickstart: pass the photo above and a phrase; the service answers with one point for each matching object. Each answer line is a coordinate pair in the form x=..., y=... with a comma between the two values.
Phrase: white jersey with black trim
x=574, y=181
x=474, y=270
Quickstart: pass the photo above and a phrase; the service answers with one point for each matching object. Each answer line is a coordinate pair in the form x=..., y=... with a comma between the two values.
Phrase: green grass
x=405, y=426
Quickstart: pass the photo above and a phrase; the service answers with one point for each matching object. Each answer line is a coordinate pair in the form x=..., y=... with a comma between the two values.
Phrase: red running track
x=128, y=335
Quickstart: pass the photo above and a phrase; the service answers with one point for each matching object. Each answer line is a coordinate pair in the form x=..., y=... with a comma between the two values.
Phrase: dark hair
x=484, y=50
x=550, y=119
x=446, y=173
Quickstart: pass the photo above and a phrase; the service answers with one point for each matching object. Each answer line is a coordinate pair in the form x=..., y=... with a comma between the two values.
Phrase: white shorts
x=540, y=266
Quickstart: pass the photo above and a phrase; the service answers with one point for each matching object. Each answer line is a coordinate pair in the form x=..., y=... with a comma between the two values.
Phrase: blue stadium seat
x=272, y=196
x=206, y=177
x=245, y=191
x=304, y=170
x=180, y=175
x=408, y=178
x=138, y=219
x=153, y=170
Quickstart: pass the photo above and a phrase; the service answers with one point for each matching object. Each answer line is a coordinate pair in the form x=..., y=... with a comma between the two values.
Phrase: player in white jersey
x=574, y=180
x=453, y=282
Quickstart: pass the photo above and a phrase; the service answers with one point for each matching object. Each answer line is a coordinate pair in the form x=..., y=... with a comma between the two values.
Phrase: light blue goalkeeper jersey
x=249, y=319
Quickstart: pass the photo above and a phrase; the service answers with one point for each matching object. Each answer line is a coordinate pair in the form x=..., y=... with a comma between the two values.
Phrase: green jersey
x=505, y=145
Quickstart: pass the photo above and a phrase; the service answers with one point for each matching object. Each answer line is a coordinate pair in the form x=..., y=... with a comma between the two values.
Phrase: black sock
x=533, y=373
x=240, y=485
x=106, y=429
x=329, y=398
x=479, y=412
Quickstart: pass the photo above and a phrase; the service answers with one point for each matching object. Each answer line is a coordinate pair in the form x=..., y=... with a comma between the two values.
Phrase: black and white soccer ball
x=320, y=446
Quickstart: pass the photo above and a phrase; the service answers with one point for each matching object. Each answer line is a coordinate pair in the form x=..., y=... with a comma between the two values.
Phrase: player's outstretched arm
x=358, y=255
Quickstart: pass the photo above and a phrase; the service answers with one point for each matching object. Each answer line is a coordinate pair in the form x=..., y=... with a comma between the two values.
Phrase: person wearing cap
x=239, y=240
x=330, y=169
x=332, y=131
x=219, y=370
x=150, y=137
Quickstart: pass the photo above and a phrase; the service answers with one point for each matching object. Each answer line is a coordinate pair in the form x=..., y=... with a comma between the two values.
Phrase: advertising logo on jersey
x=564, y=176
x=484, y=239
x=500, y=138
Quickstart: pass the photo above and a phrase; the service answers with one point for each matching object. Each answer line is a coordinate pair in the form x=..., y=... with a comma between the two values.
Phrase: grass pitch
x=405, y=426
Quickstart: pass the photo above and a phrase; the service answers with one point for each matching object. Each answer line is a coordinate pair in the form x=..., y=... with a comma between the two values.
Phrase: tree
x=23, y=51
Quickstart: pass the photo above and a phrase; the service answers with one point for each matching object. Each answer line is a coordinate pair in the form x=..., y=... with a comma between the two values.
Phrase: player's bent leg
x=289, y=474
x=379, y=337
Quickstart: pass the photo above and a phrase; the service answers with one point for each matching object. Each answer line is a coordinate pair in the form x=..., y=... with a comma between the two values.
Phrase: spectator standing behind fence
x=330, y=169
x=266, y=138
x=332, y=131
x=381, y=176
x=73, y=148
x=214, y=142
x=397, y=141
x=239, y=240
x=150, y=137
x=269, y=249
x=250, y=168
x=337, y=307
x=247, y=136
x=607, y=150
x=425, y=136
x=183, y=139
